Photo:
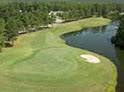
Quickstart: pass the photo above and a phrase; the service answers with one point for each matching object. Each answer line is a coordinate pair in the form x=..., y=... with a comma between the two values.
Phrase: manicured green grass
x=42, y=62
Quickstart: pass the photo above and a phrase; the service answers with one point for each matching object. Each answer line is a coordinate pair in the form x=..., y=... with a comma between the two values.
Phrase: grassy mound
x=42, y=62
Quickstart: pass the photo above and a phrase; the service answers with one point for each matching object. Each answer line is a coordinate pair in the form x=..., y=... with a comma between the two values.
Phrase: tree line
x=118, y=40
x=15, y=17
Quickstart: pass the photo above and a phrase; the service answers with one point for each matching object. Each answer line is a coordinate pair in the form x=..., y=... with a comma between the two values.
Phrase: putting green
x=42, y=62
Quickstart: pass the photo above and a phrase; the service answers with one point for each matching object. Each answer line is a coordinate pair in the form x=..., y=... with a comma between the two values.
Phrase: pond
x=98, y=40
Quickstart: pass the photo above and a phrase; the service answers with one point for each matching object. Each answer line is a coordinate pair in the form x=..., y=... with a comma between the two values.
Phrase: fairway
x=42, y=62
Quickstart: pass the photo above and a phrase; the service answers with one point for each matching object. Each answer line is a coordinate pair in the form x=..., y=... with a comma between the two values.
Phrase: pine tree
x=2, y=29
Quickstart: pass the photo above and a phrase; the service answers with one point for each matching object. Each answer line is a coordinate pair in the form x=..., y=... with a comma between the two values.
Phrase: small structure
x=58, y=20
x=49, y=25
x=46, y=26
x=55, y=14
x=122, y=13
x=22, y=32
x=20, y=11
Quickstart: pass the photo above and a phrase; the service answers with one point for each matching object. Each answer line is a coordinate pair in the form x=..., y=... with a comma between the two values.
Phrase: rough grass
x=42, y=62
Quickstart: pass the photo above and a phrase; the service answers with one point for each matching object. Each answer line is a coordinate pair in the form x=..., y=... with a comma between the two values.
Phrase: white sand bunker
x=90, y=58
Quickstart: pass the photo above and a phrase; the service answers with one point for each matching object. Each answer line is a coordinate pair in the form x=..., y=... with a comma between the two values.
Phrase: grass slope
x=42, y=62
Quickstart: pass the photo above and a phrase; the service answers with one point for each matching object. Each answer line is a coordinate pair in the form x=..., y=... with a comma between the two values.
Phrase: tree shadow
x=8, y=45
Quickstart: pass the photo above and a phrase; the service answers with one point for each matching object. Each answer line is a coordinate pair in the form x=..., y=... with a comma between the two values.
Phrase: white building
x=58, y=19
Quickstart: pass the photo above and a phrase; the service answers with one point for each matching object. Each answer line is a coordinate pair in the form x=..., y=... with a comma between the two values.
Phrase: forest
x=28, y=17
x=118, y=40
x=84, y=1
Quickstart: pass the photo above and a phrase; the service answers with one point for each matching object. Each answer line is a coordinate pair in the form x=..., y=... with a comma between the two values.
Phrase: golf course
x=42, y=62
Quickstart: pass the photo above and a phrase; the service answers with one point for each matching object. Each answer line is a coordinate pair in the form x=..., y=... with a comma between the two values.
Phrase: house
x=55, y=14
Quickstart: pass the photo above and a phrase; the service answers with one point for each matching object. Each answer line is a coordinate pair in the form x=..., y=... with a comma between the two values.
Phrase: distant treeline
x=82, y=1
x=15, y=17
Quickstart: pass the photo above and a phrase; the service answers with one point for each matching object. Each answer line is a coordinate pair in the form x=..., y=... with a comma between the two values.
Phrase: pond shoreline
x=46, y=58
x=94, y=39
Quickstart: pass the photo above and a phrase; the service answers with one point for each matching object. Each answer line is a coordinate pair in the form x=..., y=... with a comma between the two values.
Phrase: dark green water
x=98, y=40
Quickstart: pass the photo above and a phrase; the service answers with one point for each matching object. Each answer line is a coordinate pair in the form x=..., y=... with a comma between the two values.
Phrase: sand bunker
x=90, y=58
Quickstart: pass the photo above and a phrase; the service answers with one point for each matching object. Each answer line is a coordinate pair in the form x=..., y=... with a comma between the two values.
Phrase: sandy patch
x=90, y=58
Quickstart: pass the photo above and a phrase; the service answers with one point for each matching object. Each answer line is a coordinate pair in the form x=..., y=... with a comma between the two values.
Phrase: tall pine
x=2, y=29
